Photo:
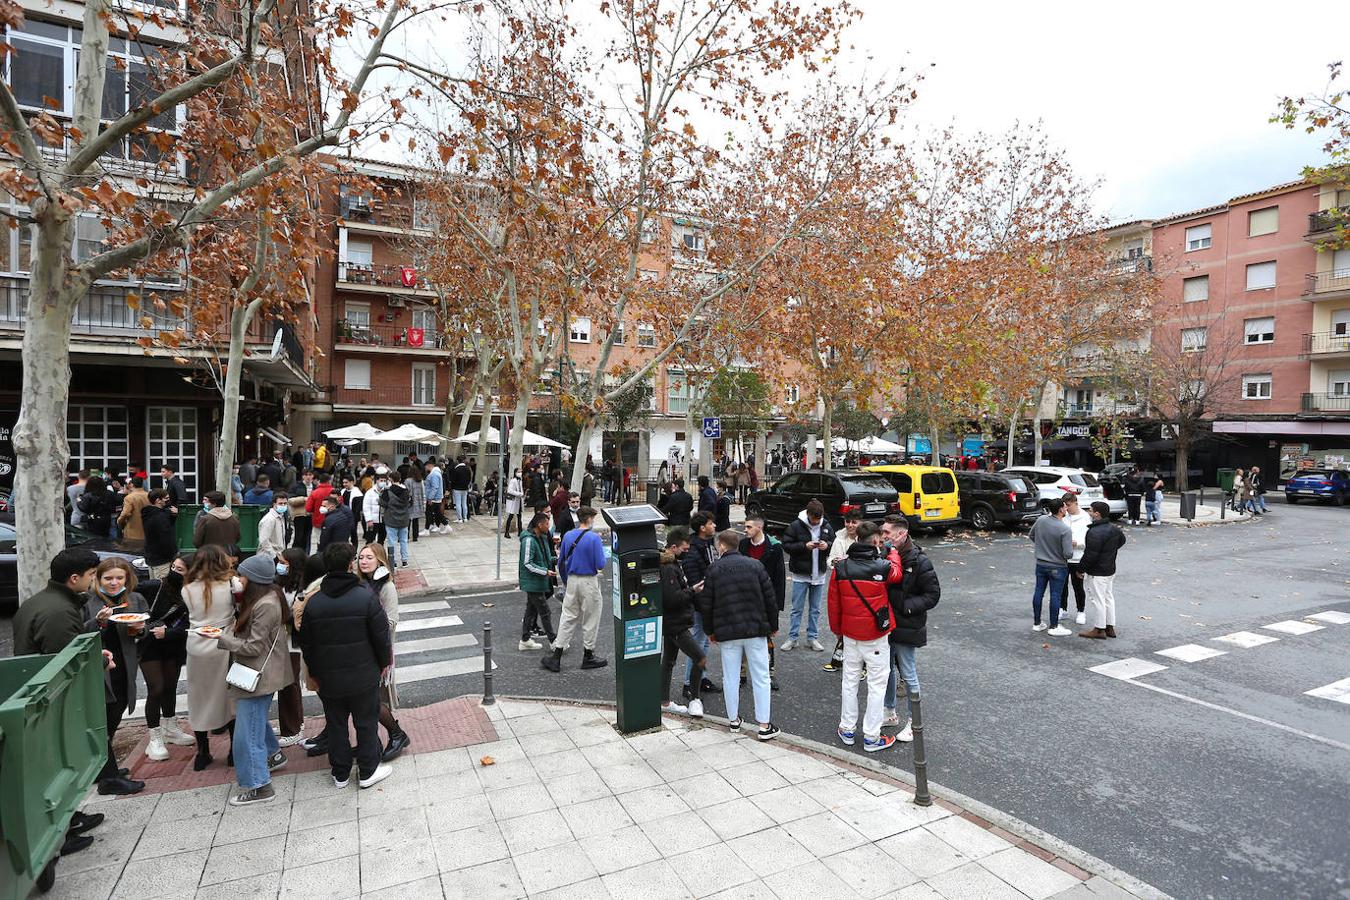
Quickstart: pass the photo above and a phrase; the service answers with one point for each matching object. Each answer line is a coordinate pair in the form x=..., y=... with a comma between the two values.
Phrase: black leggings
x=1075, y=579
x=161, y=689
x=115, y=709
x=204, y=739
x=507, y=528
x=674, y=644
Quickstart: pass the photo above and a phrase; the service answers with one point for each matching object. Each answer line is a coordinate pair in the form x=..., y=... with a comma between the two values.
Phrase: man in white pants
x=581, y=558
x=1100, y=547
x=860, y=612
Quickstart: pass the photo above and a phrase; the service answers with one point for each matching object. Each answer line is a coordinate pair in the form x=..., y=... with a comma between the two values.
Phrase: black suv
x=990, y=498
x=839, y=490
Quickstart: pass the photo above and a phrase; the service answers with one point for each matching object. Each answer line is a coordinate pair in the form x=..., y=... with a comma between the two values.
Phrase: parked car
x=928, y=494
x=1054, y=482
x=839, y=490
x=993, y=498
x=104, y=547
x=1319, y=485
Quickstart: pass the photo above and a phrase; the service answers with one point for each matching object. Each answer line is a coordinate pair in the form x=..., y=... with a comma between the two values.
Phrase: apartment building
x=129, y=407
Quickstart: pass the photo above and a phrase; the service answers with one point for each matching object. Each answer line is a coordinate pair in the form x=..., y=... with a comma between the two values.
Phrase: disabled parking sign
x=712, y=427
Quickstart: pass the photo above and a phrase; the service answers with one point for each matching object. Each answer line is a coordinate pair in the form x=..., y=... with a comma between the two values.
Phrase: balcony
x=1326, y=343
x=401, y=398
x=400, y=279
x=1078, y=411
x=1129, y=265
x=382, y=338
x=1322, y=224
x=376, y=216
x=1327, y=285
x=1324, y=403
x=103, y=312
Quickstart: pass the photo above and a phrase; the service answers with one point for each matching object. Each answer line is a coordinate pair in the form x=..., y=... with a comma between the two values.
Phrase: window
x=1340, y=322
x=1198, y=237
x=1261, y=276
x=794, y=393
x=171, y=437
x=351, y=203
x=1259, y=331
x=651, y=228
x=425, y=319
x=98, y=438
x=424, y=384
x=1193, y=290
x=648, y=275
x=542, y=326
x=356, y=374
x=678, y=392
x=1256, y=387
x=1194, y=339
x=89, y=237
x=692, y=241
x=618, y=334
x=1340, y=263
x=37, y=70
x=359, y=254
x=357, y=314
x=1263, y=221
x=1338, y=383
x=421, y=214
x=1191, y=391
x=581, y=330
x=1134, y=249
x=646, y=336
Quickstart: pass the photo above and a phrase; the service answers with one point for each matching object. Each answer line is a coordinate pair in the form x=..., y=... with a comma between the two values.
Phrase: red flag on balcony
x=416, y=336
x=409, y=275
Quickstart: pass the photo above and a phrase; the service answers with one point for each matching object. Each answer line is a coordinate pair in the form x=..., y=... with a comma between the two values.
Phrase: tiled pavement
x=561, y=805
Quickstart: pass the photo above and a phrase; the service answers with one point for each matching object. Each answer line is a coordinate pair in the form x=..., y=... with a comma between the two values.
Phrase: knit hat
x=258, y=570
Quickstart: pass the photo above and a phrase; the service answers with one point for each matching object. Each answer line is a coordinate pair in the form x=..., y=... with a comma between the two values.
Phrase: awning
x=361, y=431
x=276, y=436
x=411, y=432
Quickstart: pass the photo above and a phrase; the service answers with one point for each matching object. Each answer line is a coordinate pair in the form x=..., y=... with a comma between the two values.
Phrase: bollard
x=488, y=699
x=921, y=795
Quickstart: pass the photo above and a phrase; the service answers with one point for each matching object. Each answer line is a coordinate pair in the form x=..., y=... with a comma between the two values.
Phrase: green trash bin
x=53, y=742
x=248, y=517
x=1226, y=480
x=183, y=525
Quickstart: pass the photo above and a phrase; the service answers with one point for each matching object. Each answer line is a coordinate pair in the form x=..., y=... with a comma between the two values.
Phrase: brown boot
x=1110, y=631
x=1095, y=633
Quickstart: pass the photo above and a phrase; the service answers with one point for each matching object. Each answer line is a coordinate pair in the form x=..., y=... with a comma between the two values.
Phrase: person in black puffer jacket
x=1103, y=542
x=677, y=606
x=344, y=635
x=161, y=543
x=97, y=504
x=740, y=612
x=917, y=593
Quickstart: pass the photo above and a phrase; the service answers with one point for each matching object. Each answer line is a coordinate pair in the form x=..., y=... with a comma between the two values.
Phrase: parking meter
x=635, y=570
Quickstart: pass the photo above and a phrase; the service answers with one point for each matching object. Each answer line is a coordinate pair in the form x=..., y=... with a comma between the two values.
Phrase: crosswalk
x=429, y=644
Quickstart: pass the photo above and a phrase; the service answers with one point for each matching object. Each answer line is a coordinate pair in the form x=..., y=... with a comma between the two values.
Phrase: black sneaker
x=398, y=742
x=552, y=662
x=120, y=785
x=707, y=687
x=734, y=724
x=591, y=661
x=276, y=761
x=82, y=822
x=768, y=732
x=74, y=843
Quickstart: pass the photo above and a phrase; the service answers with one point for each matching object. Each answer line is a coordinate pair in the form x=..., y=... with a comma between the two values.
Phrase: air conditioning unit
x=394, y=300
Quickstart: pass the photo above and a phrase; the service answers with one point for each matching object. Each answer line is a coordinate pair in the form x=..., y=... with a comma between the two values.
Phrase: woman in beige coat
x=261, y=652
x=207, y=598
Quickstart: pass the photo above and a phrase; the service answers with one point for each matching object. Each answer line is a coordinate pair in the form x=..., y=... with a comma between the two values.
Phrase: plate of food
x=208, y=631
x=129, y=618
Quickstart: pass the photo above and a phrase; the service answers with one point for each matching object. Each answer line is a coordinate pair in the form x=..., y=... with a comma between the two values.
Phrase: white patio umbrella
x=839, y=445
x=411, y=432
x=361, y=431
x=879, y=445
x=494, y=437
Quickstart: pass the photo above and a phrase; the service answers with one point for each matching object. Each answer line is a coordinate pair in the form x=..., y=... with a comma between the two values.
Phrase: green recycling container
x=248, y=517
x=53, y=742
x=1226, y=479
x=182, y=526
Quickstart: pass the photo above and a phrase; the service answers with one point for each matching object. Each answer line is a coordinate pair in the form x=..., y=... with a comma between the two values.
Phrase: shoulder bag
x=244, y=678
x=882, y=617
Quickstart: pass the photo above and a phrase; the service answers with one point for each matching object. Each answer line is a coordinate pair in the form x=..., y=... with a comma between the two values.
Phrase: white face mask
x=236, y=586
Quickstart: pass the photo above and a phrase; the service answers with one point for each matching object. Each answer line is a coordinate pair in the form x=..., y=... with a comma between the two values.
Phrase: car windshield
x=1315, y=473
x=857, y=483
x=1085, y=480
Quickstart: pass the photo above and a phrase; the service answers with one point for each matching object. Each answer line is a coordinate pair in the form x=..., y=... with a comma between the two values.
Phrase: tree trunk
x=448, y=417
x=516, y=449
x=1014, y=424
x=826, y=425
x=229, y=415
x=484, y=423
x=583, y=447
x=40, y=446
x=689, y=441
x=1183, y=457
x=935, y=439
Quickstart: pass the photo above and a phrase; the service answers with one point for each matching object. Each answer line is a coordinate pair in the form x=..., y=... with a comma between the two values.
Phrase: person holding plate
x=207, y=596
x=118, y=614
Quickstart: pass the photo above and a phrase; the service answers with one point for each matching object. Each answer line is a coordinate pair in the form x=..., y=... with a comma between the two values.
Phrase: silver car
x=1056, y=481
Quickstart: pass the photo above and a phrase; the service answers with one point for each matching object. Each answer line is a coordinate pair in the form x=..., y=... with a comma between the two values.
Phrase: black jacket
x=677, y=505
x=99, y=509
x=794, y=544
x=722, y=517
x=677, y=598
x=917, y=593
x=737, y=600
x=178, y=494
x=1134, y=484
x=697, y=559
x=460, y=477
x=707, y=500
x=772, y=560
x=339, y=525
x=344, y=635
x=1104, y=540
x=161, y=542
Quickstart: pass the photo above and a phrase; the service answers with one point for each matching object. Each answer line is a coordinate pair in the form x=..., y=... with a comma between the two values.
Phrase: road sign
x=712, y=427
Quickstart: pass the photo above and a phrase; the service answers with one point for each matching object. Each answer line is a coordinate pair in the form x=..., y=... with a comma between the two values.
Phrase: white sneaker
x=1059, y=631
x=380, y=774
x=1081, y=619
x=906, y=734
x=174, y=734
x=891, y=720
x=696, y=708
x=531, y=644
x=1041, y=627
x=341, y=784
x=155, y=749
x=815, y=645
x=788, y=645
x=674, y=708
x=290, y=740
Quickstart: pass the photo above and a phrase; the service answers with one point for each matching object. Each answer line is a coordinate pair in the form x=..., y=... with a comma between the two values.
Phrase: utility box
x=635, y=570
x=1188, y=506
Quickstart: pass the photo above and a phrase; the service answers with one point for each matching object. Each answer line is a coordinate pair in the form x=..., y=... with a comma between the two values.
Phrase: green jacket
x=536, y=559
x=49, y=620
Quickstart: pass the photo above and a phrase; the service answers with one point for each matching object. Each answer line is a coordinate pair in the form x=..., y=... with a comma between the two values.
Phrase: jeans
x=397, y=536
x=1260, y=501
x=802, y=593
x=876, y=656
x=696, y=652
x=461, y=504
x=364, y=711
x=756, y=652
x=1153, y=509
x=254, y=741
x=904, y=659
x=1055, y=577
x=696, y=630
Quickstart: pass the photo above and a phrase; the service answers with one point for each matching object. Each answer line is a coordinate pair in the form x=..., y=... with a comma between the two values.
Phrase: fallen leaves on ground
x=487, y=761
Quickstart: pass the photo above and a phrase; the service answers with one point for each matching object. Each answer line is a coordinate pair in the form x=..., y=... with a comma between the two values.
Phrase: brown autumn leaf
x=487, y=761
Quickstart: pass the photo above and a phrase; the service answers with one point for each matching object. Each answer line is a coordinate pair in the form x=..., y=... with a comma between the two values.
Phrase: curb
x=1030, y=833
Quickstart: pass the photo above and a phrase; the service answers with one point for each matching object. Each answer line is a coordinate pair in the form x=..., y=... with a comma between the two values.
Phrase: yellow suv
x=928, y=494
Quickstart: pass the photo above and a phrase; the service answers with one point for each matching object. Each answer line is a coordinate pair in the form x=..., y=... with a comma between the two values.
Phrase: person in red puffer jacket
x=860, y=612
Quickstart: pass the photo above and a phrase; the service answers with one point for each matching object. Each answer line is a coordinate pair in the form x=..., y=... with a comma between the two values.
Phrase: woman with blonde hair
x=208, y=596
x=113, y=593
x=372, y=567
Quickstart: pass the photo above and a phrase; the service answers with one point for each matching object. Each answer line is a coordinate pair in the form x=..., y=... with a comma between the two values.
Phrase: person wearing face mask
x=114, y=591
x=161, y=543
x=372, y=567
x=217, y=525
x=396, y=512
x=208, y=597
x=515, y=495
x=163, y=653
x=273, y=528
x=370, y=509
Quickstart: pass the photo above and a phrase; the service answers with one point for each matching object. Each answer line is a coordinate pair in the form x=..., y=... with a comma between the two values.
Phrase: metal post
x=488, y=698
x=921, y=795
x=501, y=489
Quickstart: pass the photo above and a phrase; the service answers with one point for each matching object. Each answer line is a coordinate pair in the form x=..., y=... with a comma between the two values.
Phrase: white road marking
x=429, y=606
x=436, y=643
x=1191, y=653
x=1293, y=626
x=1337, y=690
x=425, y=672
x=1332, y=616
x=1125, y=669
x=424, y=624
x=1246, y=639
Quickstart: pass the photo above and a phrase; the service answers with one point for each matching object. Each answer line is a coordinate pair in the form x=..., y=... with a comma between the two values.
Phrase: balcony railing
x=1325, y=282
x=399, y=337
x=1125, y=265
x=103, y=311
x=1325, y=342
x=1326, y=403
x=1328, y=219
x=392, y=213
x=383, y=395
x=400, y=277
x=1078, y=411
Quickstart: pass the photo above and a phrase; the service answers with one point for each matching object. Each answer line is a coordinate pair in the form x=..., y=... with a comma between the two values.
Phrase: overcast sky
x=1165, y=102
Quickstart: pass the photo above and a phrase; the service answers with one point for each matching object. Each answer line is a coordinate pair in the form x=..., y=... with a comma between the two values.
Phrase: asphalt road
x=1245, y=797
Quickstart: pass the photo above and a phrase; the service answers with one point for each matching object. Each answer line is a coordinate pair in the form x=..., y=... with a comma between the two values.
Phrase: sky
x=1166, y=103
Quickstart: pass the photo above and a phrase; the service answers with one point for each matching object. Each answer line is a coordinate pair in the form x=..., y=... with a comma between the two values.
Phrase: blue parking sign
x=712, y=427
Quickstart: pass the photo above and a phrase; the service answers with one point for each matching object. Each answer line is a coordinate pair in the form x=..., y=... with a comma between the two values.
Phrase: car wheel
x=1290, y=499
x=982, y=519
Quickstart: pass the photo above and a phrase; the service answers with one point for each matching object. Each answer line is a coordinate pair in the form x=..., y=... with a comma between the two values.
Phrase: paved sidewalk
x=553, y=802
